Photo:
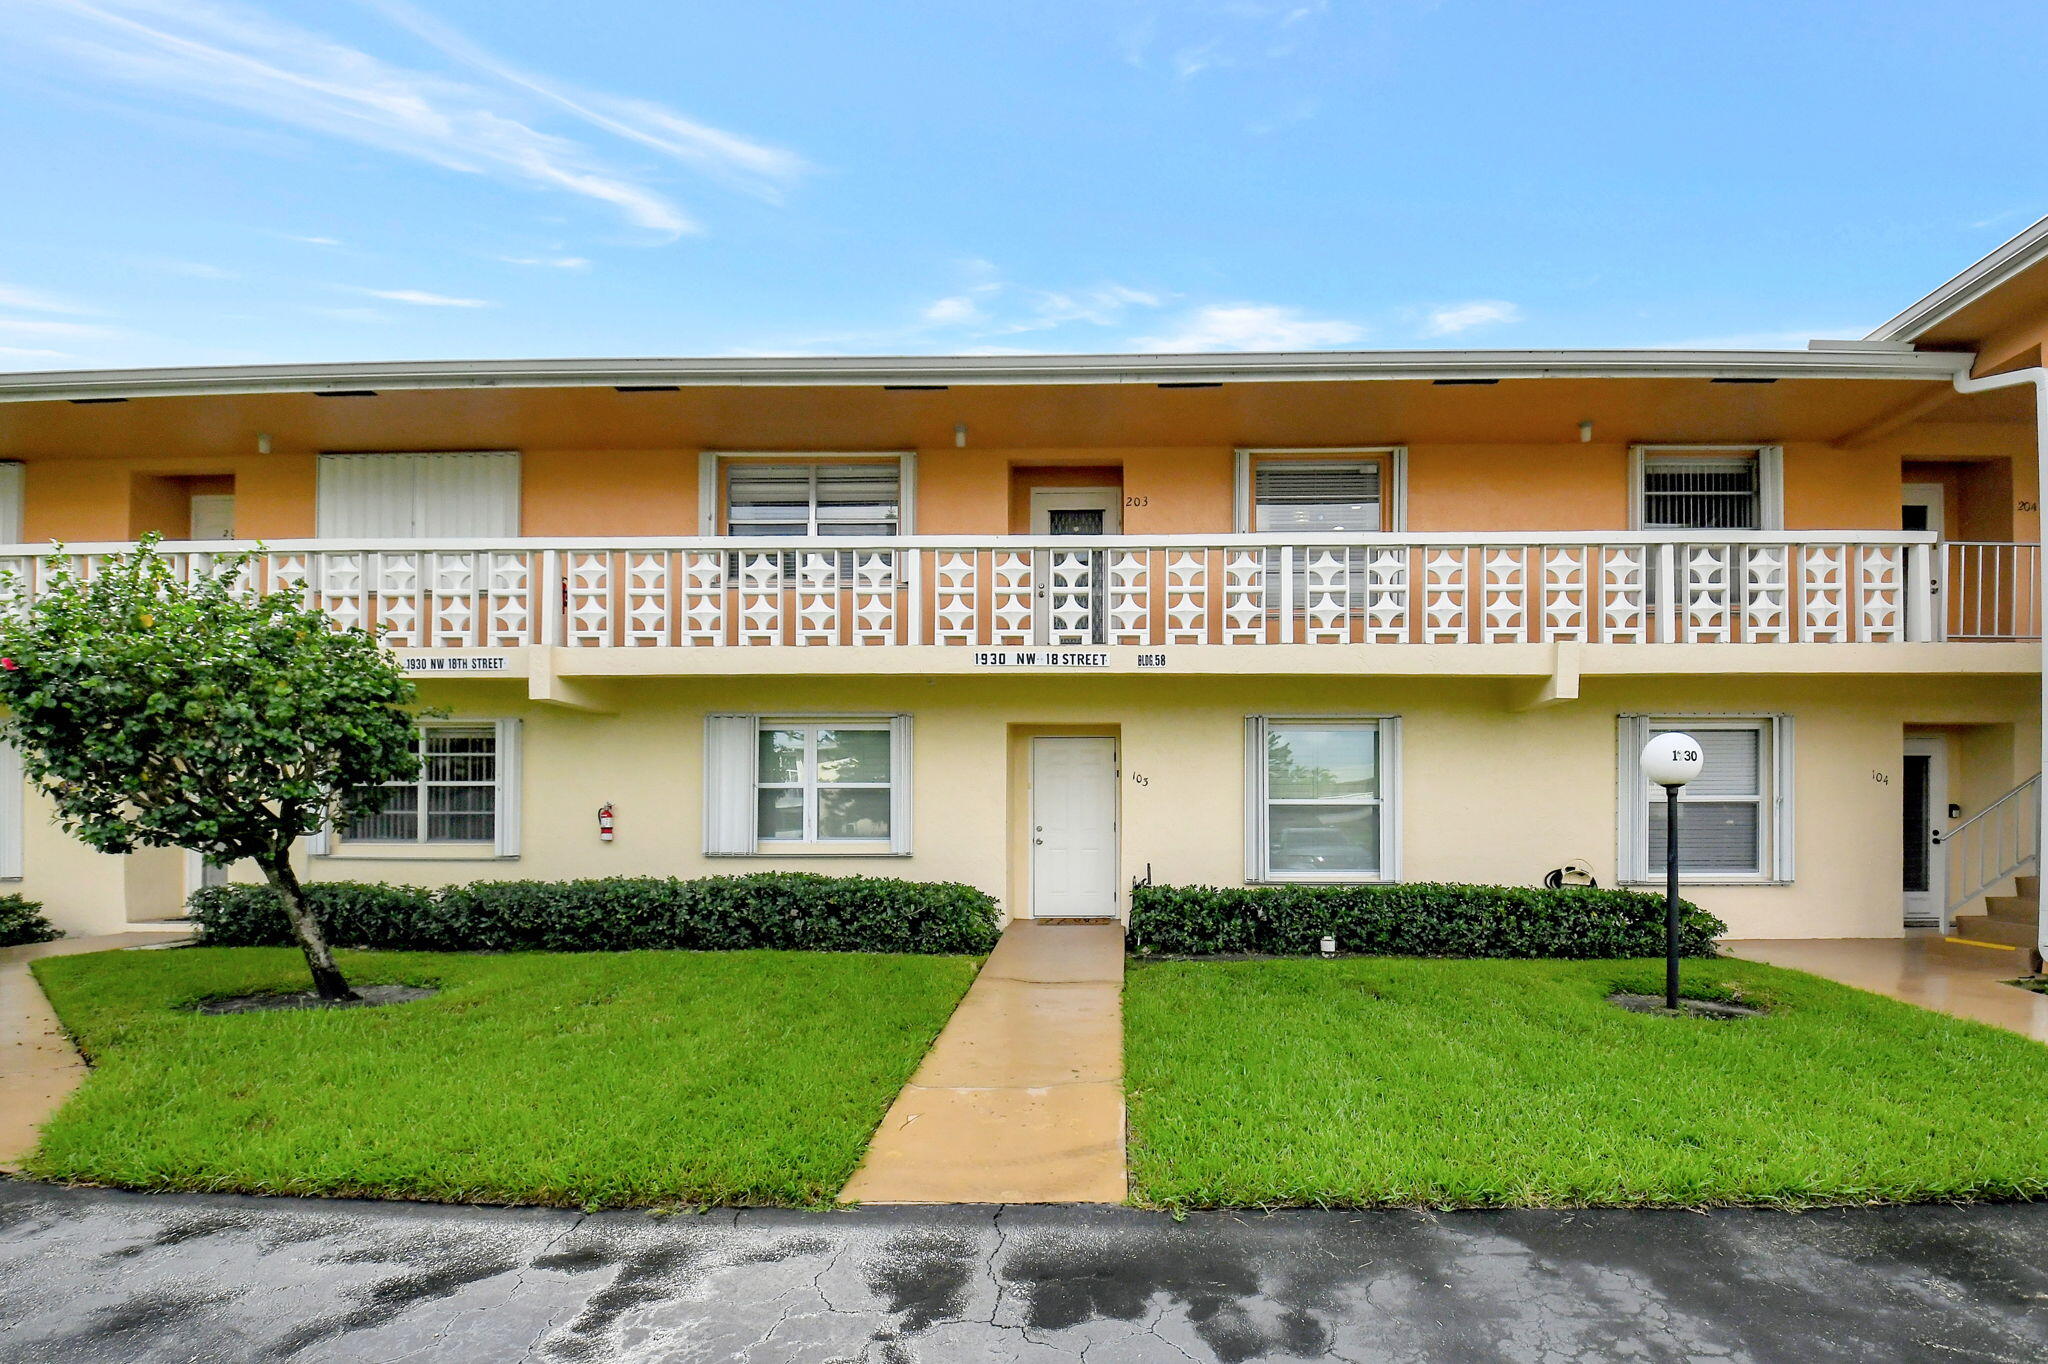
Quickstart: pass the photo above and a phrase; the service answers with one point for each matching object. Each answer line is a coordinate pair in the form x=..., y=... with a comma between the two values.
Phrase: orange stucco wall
x=80, y=494
x=116, y=498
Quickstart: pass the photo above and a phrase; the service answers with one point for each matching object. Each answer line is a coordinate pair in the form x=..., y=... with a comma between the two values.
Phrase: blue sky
x=202, y=182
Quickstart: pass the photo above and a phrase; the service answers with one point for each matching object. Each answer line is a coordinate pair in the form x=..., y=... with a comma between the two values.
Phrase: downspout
x=2038, y=377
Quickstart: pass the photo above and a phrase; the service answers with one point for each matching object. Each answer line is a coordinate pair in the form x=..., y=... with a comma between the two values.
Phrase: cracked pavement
x=97, y=1275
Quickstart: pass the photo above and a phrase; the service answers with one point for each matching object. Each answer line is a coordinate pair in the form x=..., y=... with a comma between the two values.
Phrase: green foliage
x=789, y=910
x=1421, y=919
x=594, y=1079
x=158, y=712
x=22, y=921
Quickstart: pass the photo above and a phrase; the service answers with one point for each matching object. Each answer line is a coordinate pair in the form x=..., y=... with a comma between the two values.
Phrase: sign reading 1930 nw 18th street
x=439, y=663
x=1056, y=659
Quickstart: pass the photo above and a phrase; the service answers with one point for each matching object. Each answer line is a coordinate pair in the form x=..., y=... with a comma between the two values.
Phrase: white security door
x=1073, y=828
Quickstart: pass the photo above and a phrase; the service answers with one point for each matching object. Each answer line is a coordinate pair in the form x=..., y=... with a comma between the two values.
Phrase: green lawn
x=1377, y=1081
x=589, y=1079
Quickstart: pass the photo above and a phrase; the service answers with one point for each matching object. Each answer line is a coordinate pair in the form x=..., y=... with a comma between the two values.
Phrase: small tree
x=157, y=712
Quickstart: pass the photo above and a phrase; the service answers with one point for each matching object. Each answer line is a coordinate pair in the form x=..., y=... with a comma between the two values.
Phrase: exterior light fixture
x=960, y=435
x=1670, y=761
x=1585, y=433
x=1329, y=945
x=263, y=443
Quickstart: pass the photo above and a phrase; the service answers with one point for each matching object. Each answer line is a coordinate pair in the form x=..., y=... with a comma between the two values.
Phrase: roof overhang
x=1995, y=270
x=58, y=385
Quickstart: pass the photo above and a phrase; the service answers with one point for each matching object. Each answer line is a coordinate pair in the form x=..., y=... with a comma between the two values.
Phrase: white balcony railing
x=1122, y=590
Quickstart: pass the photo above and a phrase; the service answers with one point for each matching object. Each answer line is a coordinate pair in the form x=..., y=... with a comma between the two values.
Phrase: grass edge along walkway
x=571, y=1079
x=1404, y=1082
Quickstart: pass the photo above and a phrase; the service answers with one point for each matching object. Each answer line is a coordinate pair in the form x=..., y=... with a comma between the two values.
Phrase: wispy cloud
x=1250, y=326
x=1191, y=39
x=12, y=296
x=754, y=166
x=190, y=269
x=420, y=298
x=351, y=314
x=37, y=326
x=226, y=54
x=954, y=310
x=34, y=353
x=1453, y=318
x=548, y=262
x=313, y=241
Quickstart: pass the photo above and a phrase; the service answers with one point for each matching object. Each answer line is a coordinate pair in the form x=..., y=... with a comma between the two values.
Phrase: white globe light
x=1672, y=759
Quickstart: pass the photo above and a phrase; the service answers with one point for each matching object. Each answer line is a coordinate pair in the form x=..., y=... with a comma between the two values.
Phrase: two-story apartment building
x=1049, y=623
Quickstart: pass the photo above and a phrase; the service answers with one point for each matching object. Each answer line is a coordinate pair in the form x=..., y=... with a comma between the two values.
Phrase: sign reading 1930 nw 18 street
x=1056, y=659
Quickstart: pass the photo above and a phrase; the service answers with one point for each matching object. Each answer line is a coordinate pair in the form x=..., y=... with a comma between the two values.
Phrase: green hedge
x=793, y=910
x=1419, y=920
x=22, y=921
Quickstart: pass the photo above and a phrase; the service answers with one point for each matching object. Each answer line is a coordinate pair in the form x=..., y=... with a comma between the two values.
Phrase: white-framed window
x=1707, y=487
x=459, y=494
x=851, y=494
x=1734, y=819
x=1334, y=491
x=804, y=783
x=1320, y=801
x=466, y=795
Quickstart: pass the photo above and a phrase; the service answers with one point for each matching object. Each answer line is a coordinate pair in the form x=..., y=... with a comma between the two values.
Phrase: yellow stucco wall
x=1487, y=793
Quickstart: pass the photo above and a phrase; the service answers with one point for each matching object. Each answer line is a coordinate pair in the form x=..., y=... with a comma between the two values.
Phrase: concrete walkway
x=90, y=1276
x=1021, y=1099
x=38, y=1065
x=1920, y=968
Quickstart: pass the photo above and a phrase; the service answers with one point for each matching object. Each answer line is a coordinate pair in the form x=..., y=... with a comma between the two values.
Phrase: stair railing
x=2001, y=840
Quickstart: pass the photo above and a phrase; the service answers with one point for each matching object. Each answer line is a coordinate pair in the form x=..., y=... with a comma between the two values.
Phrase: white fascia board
x=1298, y=367
x=1969, y=286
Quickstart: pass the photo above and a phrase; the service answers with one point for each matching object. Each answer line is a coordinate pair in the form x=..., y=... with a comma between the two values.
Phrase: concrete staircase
x=2011, y=919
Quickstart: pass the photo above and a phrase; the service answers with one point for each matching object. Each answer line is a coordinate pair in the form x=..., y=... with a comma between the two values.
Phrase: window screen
x=812, y=499
x=1690, y=493
x=1721, y=812
x=1323, y=495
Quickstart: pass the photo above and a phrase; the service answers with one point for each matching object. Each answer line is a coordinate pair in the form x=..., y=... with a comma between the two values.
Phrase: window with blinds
x=812, y=499
x=1693, y=493
x=1721, y=813
x=1317, y=495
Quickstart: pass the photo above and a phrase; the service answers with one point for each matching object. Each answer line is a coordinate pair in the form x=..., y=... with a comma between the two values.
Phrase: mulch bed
x=371, y=996
x=1691, y=1008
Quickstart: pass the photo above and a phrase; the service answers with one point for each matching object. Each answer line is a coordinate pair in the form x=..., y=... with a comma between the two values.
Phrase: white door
x=1923, y=506
x=1073, y=828
x=1924, y=795
x=213, y=516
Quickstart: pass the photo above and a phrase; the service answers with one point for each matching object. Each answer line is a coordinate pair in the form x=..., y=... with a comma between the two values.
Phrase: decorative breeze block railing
x=1640, y=588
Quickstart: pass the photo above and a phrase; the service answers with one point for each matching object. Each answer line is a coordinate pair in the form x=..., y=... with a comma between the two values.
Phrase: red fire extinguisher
x=604, y=822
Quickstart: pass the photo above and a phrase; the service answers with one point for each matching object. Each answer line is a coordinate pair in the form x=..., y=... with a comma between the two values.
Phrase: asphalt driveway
x=99, y=1276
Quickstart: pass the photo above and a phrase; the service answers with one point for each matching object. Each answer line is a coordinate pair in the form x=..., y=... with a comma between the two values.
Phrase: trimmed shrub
x=1418, y=920
x=22, y=921
x=792, y=910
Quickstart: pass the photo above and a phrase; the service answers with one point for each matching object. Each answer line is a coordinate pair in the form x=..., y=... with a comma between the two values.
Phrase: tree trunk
x=328, y=982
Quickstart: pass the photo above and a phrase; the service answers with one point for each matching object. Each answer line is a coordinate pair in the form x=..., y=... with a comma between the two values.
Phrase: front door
x=1073, y=828
x=1923, y=506
x=1925, y=801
